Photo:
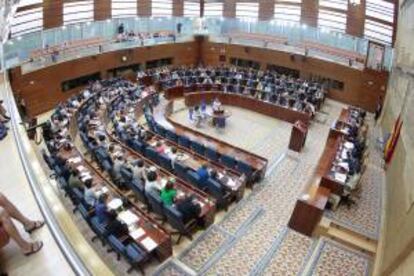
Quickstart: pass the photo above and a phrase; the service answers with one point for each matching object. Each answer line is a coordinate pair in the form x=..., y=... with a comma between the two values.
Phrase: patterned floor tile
x=291, y=255
x=202, y=249
x=170, y=268
x=336, y=259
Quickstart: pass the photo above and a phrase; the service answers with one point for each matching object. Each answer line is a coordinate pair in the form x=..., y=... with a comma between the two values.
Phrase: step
x=353, y=240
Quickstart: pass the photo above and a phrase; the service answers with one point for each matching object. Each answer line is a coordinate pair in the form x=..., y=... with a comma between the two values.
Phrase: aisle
x=15, y=186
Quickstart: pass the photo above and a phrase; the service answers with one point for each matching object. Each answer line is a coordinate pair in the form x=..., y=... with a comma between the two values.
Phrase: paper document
x=115, y=204
x=149, y=243
x=128, y=217
x=138, y=233
x=341, y=177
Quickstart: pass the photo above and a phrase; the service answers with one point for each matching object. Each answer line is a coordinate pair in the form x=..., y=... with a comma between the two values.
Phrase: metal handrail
x=67, y=250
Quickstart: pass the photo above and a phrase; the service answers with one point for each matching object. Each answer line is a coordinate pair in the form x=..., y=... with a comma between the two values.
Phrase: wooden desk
x=310, y=205
x=250, y=103
x=150, y=227
x=164, y=110
x=308, y=211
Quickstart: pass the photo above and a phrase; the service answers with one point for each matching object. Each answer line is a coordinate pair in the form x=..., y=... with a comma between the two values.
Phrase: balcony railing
x=290, y=37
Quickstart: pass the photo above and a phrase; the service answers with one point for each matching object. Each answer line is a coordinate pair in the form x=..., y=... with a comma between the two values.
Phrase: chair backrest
x=136, y=186
x=216, y=191
x=165, y=162
x=175, y=218
x=197, y=147
x=116, y=244
x=180, y=170
x=126, y=174
x=137, y=146
x=171, y=136
x=228, y=161
x=212, y=154
x=244, y=168
x=155, y=202
x=152, y=154
x=184, y=141
x=194, y=179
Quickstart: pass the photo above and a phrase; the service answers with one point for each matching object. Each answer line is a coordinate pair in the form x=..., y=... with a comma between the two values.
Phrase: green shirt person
x=168, y=193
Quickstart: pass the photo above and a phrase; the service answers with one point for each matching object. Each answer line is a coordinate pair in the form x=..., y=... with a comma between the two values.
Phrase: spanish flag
x=392, y=140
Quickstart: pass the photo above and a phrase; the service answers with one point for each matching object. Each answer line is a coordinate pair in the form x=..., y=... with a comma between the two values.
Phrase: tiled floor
x=266, y=245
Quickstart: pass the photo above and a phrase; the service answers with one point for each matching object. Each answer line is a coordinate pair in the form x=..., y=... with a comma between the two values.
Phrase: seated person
x=89, y=193
x=114, y=226
x=216, y=105
x=168, y=193
x=172, y=154
x=353, y=180
x=202, y=173
x=119, y=162
x=152, y=183
x=138, y=169
x=160, y=147
x=197, y=116
x=101, y=210
x=74, y=181
x=188, y=207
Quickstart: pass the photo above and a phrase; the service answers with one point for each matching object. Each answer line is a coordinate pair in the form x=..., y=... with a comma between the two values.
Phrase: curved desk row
x=161, y=115
x=242, y=101
x=75, y=160
x=312, y=202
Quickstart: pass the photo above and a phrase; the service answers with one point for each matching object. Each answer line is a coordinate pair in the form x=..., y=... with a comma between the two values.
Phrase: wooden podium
x=298, y=136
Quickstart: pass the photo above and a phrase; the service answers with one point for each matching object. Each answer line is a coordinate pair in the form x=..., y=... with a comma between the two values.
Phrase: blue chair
x=216, y=190
x=197, y=147
x=116, y=245
x=137, y=146
x=126, y=175
x=184, y=141
x=228, y=161
x=171, y=136
x=175, y=219
x=136, y=257
x=156, y=205
x=99, y=229
x=194, y=179
x=85, y=211
x=136, y=186
x=106, y=166
x=245, y=169
x=180, y=170
x=165, y=162
x=160, y=130
x=212, y=154
x=152, y=154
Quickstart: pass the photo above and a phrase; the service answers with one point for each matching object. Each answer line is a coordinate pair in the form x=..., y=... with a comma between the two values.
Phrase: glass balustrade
x=19, y=51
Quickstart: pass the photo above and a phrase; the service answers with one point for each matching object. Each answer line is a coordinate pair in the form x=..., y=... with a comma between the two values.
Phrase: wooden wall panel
x=103, y=9
x=52, y=13
x=144, y=8
x=266, y=9
x=309, y=14
x=178, y=7
x=42, y=89
x=356, y=19
x=361, y=88
x=229, y=8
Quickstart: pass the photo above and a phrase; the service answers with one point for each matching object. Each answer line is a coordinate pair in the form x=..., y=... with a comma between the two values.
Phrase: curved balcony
x=40, y=49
